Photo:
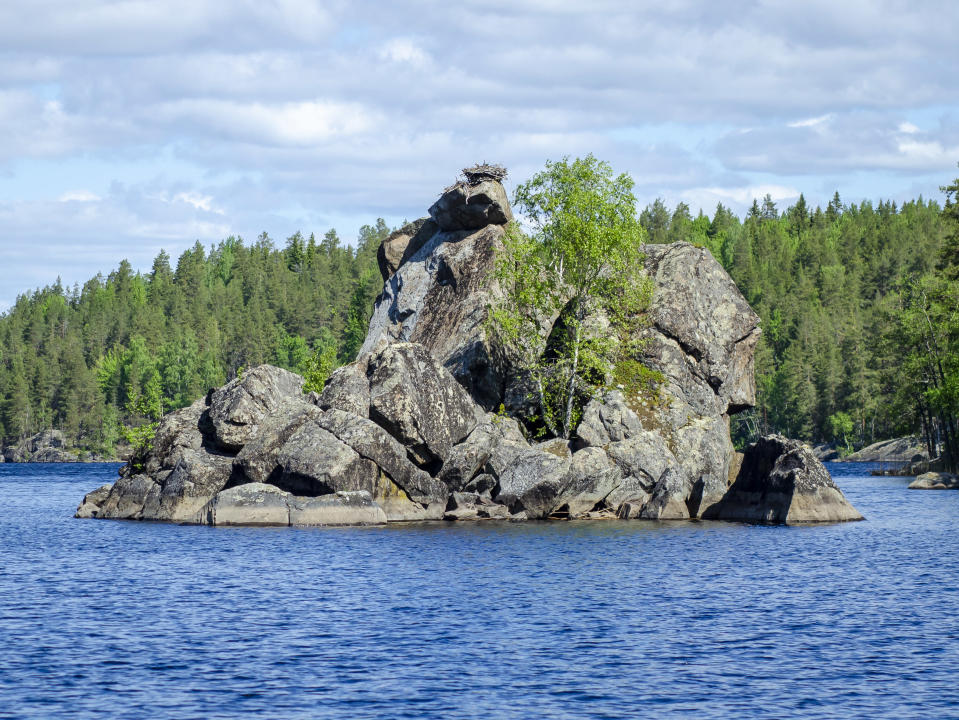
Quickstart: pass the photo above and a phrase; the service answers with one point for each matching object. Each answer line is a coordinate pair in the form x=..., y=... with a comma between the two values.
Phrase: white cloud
x=294, y=112
x=847, y=142
x=84, y=196
x=200, y=202
x=810, y=122
x=738, y=197
x=137, y=27
x=293, y=123
x=921, y=155
x=403, y=50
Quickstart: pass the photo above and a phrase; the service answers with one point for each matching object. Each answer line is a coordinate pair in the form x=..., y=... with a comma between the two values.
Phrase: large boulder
x=197, y=475
x=781, y=482
x=238, y=407
x=419, y=403
x=403, y=244
x=177, y=433
x=314, y=462
x=935, y=481
x=534, y=482
x=90, y=506
x=697, y=304
x=258, y=461
x=669, y=498
x=126, y=498
x=373, y=443
x=591, y=479
x=489, y=449
x=348, y=389
x=904, y=449
x=47, y=446
x=655, y=484
x=472, y=205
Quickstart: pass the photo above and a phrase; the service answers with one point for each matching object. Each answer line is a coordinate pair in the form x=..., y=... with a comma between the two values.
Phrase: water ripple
x=548, y=620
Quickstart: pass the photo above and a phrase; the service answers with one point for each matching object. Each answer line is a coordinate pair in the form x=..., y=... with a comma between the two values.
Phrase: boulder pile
x=46, y=446
x=419, y=427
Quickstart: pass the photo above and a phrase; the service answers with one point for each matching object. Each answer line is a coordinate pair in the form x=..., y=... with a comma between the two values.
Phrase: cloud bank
x=126, y=126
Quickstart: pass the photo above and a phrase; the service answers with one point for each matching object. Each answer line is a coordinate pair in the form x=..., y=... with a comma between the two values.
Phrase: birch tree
x=582, y=251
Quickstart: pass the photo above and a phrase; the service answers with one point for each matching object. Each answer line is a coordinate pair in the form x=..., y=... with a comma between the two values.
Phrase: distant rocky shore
x=898, y=450
x=48, y=447
x=426, y=424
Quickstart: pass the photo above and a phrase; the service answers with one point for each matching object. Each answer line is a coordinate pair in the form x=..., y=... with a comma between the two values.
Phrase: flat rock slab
x=265, y=505
x=904, y=449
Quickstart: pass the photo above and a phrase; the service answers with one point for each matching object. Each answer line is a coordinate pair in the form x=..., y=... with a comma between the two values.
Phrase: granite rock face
x=237, y=407
x=904, y=450
x=403, y=244
x=419, y=403
x=407, y=432
x=261, y=433
x=439, y=293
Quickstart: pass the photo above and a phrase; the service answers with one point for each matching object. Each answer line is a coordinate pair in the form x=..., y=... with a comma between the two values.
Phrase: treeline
x=858, y=305
x=122, y=349
x=858, y=311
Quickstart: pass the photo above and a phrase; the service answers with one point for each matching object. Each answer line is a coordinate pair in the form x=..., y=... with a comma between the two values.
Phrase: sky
x=127, y=126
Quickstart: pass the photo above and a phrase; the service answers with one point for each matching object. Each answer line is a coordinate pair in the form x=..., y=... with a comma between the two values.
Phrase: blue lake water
x=545, y=620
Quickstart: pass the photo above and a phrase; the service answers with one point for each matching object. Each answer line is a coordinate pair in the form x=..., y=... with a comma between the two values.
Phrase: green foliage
x=94, y=359
x=320, y=365
x=924, y=334
x=583, y=254
x=140, y=439
x=637, y=380
x=841, y=427
x=144, y=408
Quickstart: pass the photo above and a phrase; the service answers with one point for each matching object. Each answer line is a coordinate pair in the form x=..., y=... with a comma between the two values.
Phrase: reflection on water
x=575, y=620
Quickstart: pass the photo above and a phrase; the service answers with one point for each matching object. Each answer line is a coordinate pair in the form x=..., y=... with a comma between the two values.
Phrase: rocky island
x=426, y=423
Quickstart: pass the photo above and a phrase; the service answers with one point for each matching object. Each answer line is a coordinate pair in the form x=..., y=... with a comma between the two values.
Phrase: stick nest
x=478, y=173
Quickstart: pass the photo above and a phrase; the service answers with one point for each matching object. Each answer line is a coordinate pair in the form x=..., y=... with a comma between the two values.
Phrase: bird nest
x=477, y=173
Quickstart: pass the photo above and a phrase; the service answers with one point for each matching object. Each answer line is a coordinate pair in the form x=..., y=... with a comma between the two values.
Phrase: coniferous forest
x=123, y=349
x=858, y=305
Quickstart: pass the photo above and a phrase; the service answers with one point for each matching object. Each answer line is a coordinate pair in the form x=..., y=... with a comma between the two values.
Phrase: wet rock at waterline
x=262, y=504
x=406, y=432
x=935, y=481
x=782, y=481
